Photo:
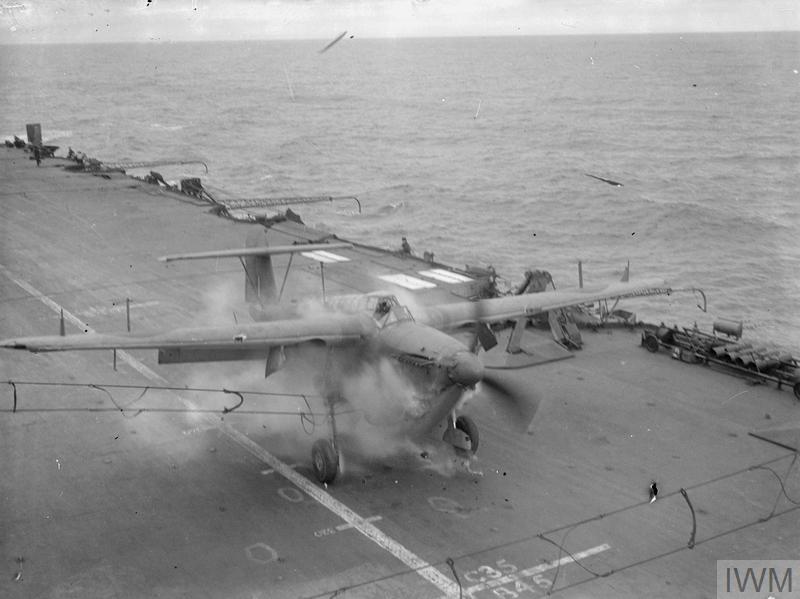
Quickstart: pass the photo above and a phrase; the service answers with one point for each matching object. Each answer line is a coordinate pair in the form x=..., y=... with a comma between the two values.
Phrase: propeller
x=519, y=403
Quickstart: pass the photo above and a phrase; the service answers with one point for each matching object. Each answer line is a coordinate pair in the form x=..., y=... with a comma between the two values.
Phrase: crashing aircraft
x=347, y=334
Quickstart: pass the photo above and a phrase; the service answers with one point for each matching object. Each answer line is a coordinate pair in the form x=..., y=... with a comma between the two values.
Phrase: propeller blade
x=519, y=403
x=485, y=336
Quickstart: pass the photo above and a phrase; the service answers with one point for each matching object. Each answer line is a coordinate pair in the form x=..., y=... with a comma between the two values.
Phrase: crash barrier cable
x=766, y=465
x=561, y=551
x=690, y=544
x=780, y=481
x=307, y=417
x=449, y=561
x=572, y=526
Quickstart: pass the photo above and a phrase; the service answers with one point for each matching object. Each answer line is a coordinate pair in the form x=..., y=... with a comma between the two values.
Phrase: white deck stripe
x=332, y=256
x=411, y=560
x=323, y=256
x=407, y=281
x=447, y=276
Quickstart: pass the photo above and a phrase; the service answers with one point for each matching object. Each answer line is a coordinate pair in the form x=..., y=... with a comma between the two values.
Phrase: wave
x=166, y=127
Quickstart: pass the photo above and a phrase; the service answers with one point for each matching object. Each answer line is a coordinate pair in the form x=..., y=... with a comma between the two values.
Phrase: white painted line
x=536, y=570
x=332, y=256
x=121, y=354
x=445, y=276
x=407, y=281
x=324, y=256
x=342, y=527
x=271, y=471
x=199, y=429
x=411, y=560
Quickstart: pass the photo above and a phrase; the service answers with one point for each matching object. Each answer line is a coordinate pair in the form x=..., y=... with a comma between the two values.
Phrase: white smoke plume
x=379, y=397
x=223, y=304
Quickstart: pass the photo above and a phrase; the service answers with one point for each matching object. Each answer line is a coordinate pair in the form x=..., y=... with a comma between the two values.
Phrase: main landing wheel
x=470, y=429
x=325, y=461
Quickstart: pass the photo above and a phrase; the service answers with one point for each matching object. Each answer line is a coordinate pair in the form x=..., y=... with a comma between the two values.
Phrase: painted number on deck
x=503, y=580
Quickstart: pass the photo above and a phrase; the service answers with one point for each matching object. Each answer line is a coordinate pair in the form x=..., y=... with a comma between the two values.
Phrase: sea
x=477, y=149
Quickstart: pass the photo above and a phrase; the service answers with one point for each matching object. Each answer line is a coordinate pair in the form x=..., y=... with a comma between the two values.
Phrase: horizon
x=127, y=21
x=322, y=40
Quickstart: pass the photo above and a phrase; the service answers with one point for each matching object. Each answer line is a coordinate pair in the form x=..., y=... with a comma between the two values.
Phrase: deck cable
x=596, y=575
x=690, y=544
x=681, y=548
x=307, y=416
x=543, y=535
x=449, y=561
x=14, y=387
x=781, y=483
x=561, y=551
x=575, y=560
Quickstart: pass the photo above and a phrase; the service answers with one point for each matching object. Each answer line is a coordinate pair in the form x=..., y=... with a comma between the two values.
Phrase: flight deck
x=127, y=478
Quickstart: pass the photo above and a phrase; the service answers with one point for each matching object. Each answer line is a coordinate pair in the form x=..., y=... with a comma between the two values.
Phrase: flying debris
x=609, y=181
x=334, y=42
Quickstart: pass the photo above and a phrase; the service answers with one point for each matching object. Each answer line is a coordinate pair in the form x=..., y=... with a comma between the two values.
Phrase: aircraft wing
x=530, y=304
x=237, y=342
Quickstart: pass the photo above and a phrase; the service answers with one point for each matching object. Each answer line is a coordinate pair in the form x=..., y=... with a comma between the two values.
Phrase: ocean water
x=478, y=148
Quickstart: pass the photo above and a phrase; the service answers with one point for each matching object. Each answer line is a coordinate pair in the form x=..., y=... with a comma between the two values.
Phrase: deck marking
x=332, y=530
x=407, y=281
x=261, y=553
x=325, y=256
x=290, y=494
x=446, y=276
x=535, y=570
x=347, y=526
x=271, y=471
x=121, y=354
x=366, y=528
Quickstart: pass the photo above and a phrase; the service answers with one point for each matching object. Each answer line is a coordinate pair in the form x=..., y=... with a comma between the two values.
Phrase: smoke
x=371, y=424
x=381, y=393
x=389, y=401
x=222, y=304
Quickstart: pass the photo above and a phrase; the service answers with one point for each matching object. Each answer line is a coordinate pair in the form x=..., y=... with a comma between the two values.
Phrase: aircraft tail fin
x=626, y=274
x=259, y=277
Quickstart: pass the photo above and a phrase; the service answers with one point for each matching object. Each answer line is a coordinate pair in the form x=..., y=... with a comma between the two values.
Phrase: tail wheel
x=470, y=429
x=325, y=461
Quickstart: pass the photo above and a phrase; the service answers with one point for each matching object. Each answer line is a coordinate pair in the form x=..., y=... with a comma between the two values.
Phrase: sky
x=83, y=21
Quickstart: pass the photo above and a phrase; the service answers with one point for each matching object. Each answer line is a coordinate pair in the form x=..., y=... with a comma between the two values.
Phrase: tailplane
x=260, y=289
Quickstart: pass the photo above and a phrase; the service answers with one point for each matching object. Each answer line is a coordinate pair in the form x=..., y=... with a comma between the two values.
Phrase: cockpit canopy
x=384, y=308
x=387, y=311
